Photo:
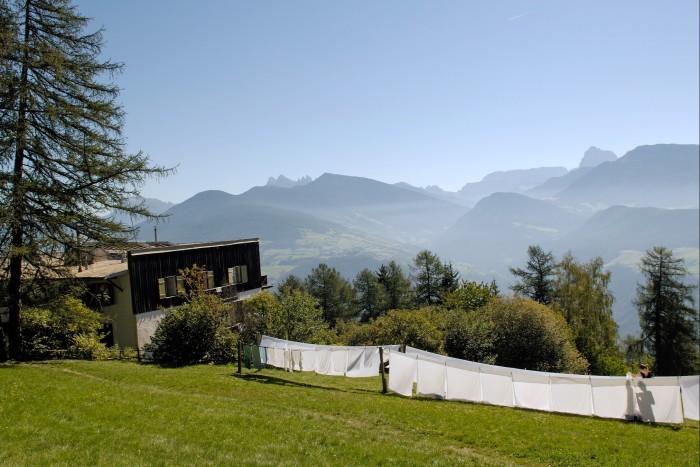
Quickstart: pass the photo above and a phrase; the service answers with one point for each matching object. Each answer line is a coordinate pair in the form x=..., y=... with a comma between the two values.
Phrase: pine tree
x=333, y=293
x=63, y=162
x=667, y=314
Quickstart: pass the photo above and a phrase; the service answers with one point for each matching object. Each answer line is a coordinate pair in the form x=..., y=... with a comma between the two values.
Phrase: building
x=133, y=291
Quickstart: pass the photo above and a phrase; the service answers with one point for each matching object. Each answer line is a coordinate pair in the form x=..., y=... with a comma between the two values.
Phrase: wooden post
x=381, y=369
x=240, y=356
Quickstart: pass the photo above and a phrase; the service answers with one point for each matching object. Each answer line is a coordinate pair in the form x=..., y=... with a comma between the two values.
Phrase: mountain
x=595, y=156
x=662, y=175
x=154, y=205
x=284, y=182
x=513, y=181
x=385, y=210
x=352, y=222
x=558, y=184
x=591, y=158
x=495, y=234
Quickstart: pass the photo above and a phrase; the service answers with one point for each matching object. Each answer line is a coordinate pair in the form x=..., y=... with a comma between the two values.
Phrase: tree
x=667, y=314
x=397, y=287
x=333, y=293
x=291, y=282
x=470, y=296
x=258, y=314
x=428, y=275
x=581, y=294
x=62, y=156
x=369, y=295
x=299, y=318
x=537, y=277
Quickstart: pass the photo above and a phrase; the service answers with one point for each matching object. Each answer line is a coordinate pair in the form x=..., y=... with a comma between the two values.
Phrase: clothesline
x=661, y=399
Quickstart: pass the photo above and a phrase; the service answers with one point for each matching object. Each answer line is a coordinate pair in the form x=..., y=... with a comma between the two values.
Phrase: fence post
x=240, y=355
x=381, y=369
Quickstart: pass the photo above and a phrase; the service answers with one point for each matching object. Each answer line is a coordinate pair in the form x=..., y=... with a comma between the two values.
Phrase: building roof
x=102, y=270
x=190, y=246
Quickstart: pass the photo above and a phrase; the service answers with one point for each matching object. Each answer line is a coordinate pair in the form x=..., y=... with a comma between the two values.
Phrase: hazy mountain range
x=612, y=207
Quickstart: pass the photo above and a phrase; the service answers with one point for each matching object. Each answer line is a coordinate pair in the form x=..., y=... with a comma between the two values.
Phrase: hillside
x=125, y=413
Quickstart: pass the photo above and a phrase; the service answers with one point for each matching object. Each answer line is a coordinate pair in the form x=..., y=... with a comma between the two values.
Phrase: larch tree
x=667, y=314
x=428, y=275
x=581, y=294
x=63, y=159
x=535, y=281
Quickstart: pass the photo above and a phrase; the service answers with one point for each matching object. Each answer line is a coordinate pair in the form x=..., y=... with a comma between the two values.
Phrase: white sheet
x=323, y=360
x=402, y=371
x=430, y=376
x=497, y=386
x=659, y=399
x=369, y=364
x=690, y=394
x=571, y=394
x=531, y=390
x=308, y=359
x=613, y=397
x=339, y=361
x=463, y=384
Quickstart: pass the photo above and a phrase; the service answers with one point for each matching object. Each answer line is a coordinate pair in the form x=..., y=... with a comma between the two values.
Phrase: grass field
x=125, y=413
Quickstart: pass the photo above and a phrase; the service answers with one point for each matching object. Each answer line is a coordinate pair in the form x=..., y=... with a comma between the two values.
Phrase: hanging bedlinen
x=308, y=359
x=463, y=384
x=402, y=373
x=531, y=390
x=571, y=394
x=323, y=360
x=430, y=376
x=339, y=361
x=497, y=385
x=690, y=393
x=257, y=357
x=613, y=397
x=355, y=359
x=658, y=399
x=363, y=362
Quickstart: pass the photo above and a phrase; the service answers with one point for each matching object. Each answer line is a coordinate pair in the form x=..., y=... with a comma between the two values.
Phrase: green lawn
x=125, y=413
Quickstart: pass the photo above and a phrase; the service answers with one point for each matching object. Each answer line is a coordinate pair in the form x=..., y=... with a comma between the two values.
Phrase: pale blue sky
x=426, y=92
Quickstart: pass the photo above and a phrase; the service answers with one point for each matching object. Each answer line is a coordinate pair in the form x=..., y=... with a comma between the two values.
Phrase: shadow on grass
x=266, y=379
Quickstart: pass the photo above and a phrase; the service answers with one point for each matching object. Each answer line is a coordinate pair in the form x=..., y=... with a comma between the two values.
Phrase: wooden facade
x=148, y=266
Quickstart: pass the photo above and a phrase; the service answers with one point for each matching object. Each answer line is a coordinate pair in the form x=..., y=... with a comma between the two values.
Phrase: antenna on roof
x=155, y=232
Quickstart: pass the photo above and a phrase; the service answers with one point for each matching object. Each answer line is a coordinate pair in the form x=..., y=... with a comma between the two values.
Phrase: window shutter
x=244, y=274
x=161, y=288
x=230, y=276
x=180, y=285
x=210, y=280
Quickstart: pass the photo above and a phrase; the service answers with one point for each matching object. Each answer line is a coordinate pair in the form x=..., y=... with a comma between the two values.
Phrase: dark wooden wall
x=147, y=266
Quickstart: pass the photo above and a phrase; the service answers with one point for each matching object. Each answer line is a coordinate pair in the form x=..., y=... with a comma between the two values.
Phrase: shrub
x=52, y=330
x=532, y=336
x=196, y=332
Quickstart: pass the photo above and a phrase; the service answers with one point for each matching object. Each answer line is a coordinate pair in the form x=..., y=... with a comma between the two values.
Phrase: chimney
x=155, y=233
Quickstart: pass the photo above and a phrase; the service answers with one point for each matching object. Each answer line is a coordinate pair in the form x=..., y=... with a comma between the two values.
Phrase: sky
x=437, y=92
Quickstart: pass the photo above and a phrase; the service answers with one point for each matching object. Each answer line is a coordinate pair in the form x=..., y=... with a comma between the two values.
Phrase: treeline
x=558, y=317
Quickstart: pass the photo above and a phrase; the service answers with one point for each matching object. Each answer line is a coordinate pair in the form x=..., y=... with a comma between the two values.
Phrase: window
x=238, y=275
x=171, y=286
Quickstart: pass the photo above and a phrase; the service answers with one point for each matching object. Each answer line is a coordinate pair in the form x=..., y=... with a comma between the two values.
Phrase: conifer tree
x=63, y=159
x=536, y=280
x=667, y=314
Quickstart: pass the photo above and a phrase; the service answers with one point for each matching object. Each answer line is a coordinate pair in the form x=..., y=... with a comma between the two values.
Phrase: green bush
x=51, y=331
x=196, y=332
